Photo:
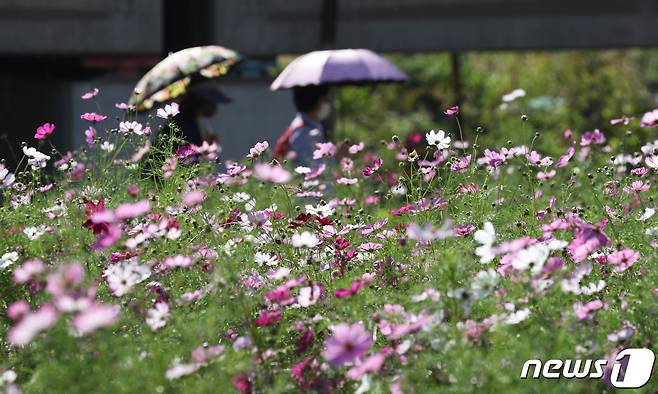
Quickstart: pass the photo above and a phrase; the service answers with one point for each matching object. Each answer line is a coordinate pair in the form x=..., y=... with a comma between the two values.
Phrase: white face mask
x=325, y=111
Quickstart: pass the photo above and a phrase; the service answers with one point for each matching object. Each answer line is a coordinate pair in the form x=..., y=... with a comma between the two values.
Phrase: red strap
x=282, y=144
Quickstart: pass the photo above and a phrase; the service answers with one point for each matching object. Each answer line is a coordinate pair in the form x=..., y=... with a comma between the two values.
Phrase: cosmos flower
x=169, y=111
x=347, y=343
x=271, y=173
x=258, y=149
x=32, y=324
x=44, y=131
x=35, y=159
x=94, y=317
x=89, y=95
x=440, y=139
x=93, y=117
x=650, y=118
x=454, y=110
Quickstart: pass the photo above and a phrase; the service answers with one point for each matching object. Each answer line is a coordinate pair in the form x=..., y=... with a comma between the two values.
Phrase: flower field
x=138, y=263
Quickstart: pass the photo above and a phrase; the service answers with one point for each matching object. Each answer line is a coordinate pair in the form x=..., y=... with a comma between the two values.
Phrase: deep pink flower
x=94, y=317
x=268, y=317
x=93, y=117
x=44, y=131
x=347, y=343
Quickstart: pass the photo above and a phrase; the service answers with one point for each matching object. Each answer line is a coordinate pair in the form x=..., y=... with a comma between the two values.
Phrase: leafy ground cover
x=139, y=264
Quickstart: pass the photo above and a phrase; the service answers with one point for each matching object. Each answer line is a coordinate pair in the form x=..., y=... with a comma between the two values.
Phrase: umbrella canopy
x=171, y=77
x=339, y=66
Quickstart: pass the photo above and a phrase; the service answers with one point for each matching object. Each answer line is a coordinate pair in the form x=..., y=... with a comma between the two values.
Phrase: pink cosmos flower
x=650, y=119
x=89, y=95
x=169, y=111
x=94, y=317
x=258, y=149
x=623, y=259
x=194, y=198
x=90, y=136
x=324, y=149
x=347, y=343
x=587, y=311
x=354, y=149
x=29, y=269
x=461, y=165
x=625, y=120
x=588, y=238
x=564, y=159
x=124, y=106
x=370, y=365
x=271, y=173
x=454, y=110
x=44, y=131
x=93, y=117
x=640, y=171
x=595, y=137
x=347, y=181
x=637, y=187
x=567, y=134
x=32, y=324
x=18, y=309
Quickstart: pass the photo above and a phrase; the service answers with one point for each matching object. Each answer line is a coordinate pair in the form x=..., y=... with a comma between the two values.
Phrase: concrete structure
x=52, y=51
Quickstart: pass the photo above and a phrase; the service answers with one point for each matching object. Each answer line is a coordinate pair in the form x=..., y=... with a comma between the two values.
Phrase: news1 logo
x=631, y=368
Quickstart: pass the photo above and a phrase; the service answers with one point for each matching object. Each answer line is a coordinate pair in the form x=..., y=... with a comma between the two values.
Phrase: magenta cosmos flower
x=348, y=343
x=44, y=131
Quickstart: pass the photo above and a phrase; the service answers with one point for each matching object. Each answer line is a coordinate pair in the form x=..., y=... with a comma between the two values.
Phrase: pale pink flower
x=354, y=149
x=156, y=317
x=90, y=136
x=89, y=95
x=32, y=324
x=94, y=317
x=454, y=110
x=637, y=187
x=93, y=117
x=650, y=119
x=324, y=149
x=28, y=270
x=587, y=311
x=195, y=197
x=258, y=149
x=271, y=173
x=169, y=111
x=370, y=365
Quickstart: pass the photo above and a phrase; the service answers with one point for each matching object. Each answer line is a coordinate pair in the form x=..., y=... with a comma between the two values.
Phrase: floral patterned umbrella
x=171, y=77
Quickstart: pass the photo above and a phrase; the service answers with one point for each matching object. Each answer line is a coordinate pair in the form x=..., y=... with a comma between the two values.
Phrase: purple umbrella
x=339, y=66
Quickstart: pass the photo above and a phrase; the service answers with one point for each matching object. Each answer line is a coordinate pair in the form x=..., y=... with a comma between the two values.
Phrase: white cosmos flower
x=440, y=139
x=486, y=237
x=107, y=146
x=8, y=259
x=320, y=210
x=304, y=239
x=518, y=316
x=35, y=159
x=302, y=170
x=264, y=258
x=533, y=257
x=648, y=213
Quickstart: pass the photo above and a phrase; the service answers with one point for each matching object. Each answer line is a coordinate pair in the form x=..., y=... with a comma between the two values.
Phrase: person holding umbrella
x=197, y=106
x=186, y=77
x=310, y=75
x=306, y=130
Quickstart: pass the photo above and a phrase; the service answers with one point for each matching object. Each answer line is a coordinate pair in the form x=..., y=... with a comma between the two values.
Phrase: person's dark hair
x=307, y=97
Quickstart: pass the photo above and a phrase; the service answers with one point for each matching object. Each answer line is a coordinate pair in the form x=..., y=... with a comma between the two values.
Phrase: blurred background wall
x=53, y=51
